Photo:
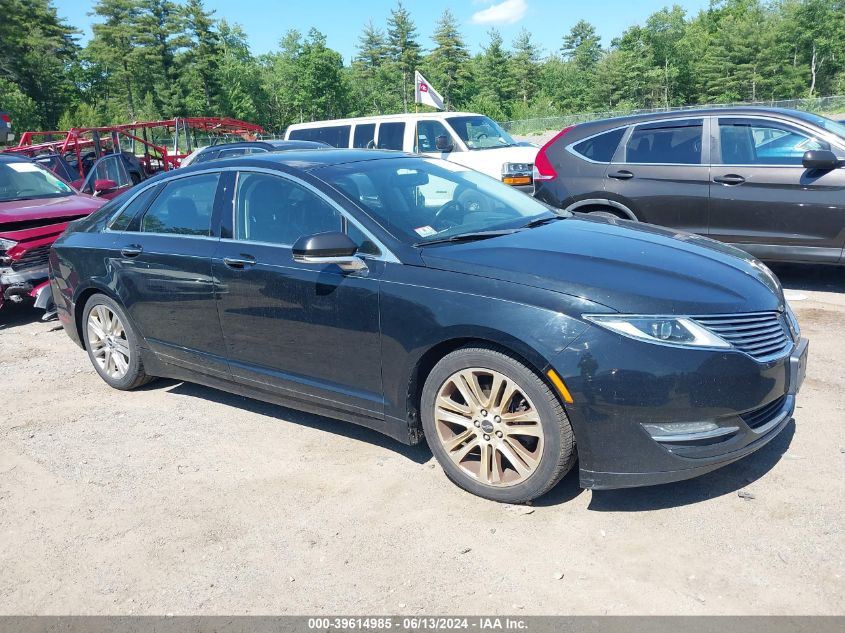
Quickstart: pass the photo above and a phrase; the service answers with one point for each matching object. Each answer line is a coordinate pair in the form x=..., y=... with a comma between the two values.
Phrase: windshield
x=480, y=132
x=419, y=200
x=823, y=122
x=27, y=181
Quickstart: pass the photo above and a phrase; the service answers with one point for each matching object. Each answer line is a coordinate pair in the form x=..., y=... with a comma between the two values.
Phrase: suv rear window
x=335, y=135
x=600, y=148
x=673, y=143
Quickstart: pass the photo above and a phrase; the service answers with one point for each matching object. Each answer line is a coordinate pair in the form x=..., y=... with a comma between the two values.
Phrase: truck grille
x=33, y=258
x=761, y=335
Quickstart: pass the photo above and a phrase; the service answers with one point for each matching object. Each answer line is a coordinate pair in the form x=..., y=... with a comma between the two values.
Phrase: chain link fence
x=536, y=126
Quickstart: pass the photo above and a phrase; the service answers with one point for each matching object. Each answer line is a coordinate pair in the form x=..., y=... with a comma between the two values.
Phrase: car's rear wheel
x=112, y=344
x=495, y=426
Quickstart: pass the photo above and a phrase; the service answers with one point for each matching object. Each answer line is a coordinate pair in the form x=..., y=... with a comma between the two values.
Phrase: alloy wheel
x=489, y=427
x=109, y=345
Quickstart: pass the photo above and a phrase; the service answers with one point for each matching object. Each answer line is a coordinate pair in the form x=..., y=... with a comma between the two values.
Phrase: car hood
x=628, y=267
x=76, y=205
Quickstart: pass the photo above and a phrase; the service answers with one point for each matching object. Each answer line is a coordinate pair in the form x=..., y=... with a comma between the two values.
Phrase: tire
x=606, y=213
x=114, y=350
x=457, y=431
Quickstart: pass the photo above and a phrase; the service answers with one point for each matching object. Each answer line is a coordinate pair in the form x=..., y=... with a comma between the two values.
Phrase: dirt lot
x=180, y=499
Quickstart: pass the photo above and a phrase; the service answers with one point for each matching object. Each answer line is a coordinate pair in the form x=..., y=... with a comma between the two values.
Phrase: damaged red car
x=35, y=208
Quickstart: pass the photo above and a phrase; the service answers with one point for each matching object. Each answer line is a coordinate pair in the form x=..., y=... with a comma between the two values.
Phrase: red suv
x=35, y=208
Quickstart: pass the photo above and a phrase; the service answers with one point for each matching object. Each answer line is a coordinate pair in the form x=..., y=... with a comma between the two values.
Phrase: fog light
x=677, y=431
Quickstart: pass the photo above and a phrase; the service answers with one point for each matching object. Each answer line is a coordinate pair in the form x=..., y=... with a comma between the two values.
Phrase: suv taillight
x=6, y=118
x=543, y=169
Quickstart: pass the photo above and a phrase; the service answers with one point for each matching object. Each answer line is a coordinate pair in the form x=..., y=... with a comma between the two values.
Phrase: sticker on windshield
x=24, y=167
x=425, y=231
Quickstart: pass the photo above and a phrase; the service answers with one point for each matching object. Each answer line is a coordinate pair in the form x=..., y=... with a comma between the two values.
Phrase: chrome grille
x=761, y=335
x=32, y=258
x=765, y=414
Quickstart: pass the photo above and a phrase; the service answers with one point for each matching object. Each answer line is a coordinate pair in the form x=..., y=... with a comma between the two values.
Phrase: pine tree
x=403, y=48
x=446, y=65
x=526, y=57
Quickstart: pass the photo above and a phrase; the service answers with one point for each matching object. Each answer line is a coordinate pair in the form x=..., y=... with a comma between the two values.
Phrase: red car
x=35, y=208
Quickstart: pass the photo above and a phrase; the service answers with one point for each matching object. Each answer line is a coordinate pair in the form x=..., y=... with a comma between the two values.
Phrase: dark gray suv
x=769, y=181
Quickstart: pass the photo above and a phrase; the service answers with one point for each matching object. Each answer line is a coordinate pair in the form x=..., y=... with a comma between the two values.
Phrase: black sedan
x=354, y=284
x=769, y=181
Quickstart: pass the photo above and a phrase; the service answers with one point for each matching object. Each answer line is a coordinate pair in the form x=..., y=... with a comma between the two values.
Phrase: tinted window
x=600, y=148
x=365, y=134
x=678, y=142
x=759, y=142
x=204, y=157
x=122, y=221
x=391, y=136
x=427, y=133
x=336, y=135
x=184, y=207
x=280, y=211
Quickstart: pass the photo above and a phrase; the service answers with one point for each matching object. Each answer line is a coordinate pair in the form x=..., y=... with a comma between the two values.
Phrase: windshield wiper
x=468, y=237
x=543, y=220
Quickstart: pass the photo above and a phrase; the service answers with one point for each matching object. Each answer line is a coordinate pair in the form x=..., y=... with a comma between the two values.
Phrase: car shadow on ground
x=14, y=315
x=726, y=480
x=816, y=277
x=419, y=454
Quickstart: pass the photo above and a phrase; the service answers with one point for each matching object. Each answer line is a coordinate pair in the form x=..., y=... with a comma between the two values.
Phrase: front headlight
x=5, y=245
x=513, y=169
x=792, y=322
x=659, y=329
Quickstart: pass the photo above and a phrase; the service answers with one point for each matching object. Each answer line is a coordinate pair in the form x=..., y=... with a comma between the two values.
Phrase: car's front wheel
x=495, y=426
x=112, y=344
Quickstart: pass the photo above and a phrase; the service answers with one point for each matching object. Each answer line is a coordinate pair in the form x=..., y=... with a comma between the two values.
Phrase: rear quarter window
x=600, y=148
x=334, y=135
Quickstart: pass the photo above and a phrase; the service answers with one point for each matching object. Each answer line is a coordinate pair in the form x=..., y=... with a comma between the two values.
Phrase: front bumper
x=653, y=384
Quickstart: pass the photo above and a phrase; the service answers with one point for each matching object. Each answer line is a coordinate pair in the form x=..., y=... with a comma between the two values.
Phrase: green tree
x=201, y=61
x=403, y=48
x=526, y=58
x=447, y=66
x=36, y=51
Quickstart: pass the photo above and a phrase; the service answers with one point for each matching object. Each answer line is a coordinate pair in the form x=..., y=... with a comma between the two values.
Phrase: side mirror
x=442, y=143
x=101, y=186
x=822, y=159
x=328, y=248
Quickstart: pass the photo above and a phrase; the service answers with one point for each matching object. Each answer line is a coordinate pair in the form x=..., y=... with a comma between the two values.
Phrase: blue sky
x=265, y=21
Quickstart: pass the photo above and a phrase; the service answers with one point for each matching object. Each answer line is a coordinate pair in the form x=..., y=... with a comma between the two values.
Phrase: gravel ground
x=181, y=499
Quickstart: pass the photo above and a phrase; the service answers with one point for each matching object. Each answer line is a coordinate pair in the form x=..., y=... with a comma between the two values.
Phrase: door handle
x=133, y=250
x=729, y=179
x=622, y=174
x=239, y=263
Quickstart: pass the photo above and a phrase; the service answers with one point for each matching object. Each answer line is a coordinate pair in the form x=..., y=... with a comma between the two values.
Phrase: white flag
x=425, y=94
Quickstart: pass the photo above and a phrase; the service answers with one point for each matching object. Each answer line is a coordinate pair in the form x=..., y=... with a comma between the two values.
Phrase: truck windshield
x=480, y=132
x=27, y=181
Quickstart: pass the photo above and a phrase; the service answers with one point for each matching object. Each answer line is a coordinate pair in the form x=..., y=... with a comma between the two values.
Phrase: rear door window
x=334, y=135
x=365, y=134
x=391, y=136
x=600, y=148
x=667, y=143
x=184, y=207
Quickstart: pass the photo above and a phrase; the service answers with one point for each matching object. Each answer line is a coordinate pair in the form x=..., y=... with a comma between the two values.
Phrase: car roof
x=697, y=112
x=302, y=159
x=14, y=158
x=382, y=117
